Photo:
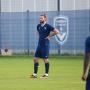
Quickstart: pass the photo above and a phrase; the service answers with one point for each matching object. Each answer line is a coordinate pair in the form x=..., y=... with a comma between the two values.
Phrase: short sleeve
x=51, y=28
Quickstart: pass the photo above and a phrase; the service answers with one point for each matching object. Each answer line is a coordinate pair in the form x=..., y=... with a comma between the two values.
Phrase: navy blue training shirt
x=87, y=45
x=44, y=31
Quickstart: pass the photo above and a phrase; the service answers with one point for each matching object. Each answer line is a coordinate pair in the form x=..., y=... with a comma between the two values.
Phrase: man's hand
x=84, y=77
x=48, y=37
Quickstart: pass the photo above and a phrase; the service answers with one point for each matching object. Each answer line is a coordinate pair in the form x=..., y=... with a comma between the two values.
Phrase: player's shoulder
x=48, y=25
x=38, y=25
x=88, y=38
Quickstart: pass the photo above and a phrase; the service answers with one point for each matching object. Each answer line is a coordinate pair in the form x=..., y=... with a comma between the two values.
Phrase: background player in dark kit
x=86, y=67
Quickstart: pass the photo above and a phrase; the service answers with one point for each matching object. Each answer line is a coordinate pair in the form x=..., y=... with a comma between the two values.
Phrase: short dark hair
x=44, y=15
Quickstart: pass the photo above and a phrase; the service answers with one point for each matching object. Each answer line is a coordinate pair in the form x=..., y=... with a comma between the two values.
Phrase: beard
x=41, y=22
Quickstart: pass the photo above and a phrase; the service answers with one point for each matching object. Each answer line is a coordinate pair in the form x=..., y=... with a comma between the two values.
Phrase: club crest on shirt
x=45, y=28
x=61, y=23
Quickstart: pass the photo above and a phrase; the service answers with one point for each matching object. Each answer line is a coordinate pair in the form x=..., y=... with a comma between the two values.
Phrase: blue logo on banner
x=61, y=23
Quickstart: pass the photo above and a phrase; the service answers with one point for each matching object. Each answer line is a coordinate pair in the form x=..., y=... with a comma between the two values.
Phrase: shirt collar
x=43, y=24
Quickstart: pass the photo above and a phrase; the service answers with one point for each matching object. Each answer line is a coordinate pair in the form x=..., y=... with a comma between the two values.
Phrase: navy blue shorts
x=42, y=52
x=88, y=85
x=88, y=82
x=87, y=45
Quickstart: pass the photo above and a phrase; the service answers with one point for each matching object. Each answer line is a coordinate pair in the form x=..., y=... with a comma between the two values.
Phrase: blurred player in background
x=86, y=68
x=45, y=32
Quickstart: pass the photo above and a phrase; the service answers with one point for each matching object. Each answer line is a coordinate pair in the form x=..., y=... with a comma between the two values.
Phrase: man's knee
x=36, y=59
x=46, y=61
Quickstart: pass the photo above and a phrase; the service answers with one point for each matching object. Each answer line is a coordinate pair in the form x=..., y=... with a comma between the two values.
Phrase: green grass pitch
x=65, y=73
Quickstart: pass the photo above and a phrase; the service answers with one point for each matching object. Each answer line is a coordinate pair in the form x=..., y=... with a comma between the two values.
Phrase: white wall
x=46, y=5
x=29, y=5
x=32, y=5
x=74, y=4
x=16, y=6
x=11, y=5
x=5, y=5
x=66, y=4
x=52, y=5
x=82, y=4
x=43, y=5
